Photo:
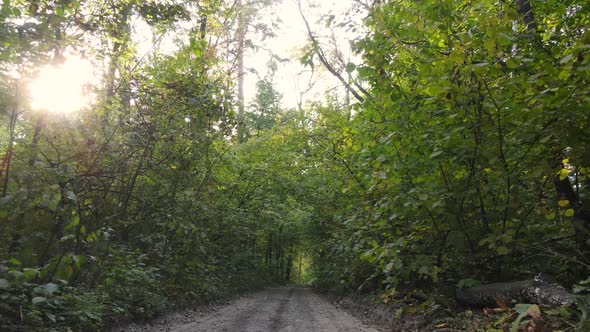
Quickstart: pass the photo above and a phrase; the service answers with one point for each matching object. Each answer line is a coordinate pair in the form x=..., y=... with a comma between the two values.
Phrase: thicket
x=144, y=201
x=465, y=161
x=470, y=156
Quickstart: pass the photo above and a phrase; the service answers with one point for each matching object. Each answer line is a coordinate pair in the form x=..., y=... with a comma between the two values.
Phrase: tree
x=265, y=111
x=461, y=139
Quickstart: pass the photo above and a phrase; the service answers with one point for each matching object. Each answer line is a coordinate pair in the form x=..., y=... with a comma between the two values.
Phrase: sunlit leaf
x=15, y=261
x=51, y=288
x=563, y=174
x=38, y=299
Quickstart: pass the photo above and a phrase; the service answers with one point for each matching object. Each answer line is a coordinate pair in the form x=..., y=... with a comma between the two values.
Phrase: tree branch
x=323, y=58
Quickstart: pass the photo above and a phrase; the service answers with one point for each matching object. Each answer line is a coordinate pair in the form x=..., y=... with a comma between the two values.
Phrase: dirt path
x=273, y=309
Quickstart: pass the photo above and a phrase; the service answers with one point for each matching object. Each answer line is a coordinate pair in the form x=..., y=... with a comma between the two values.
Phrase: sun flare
x=60, y=88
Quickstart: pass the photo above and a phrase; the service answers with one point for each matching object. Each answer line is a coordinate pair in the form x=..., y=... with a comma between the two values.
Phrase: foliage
x=471, y=145
x=132, y=206
x=265, y=110
x=465, y=163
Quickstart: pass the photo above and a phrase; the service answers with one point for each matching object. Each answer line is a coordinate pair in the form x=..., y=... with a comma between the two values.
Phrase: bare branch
x=320, y=53
x=363, y=4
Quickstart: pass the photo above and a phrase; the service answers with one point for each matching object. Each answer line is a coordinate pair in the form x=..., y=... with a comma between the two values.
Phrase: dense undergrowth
x=464, y=161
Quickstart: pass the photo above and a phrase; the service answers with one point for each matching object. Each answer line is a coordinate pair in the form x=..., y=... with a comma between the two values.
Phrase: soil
x=273, y=309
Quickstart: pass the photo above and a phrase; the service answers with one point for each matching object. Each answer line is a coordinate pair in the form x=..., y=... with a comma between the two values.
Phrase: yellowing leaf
x=550, y=216
x=569, y=212
x=534, y=311
x=502, y=302
x=563, y=174
x=563, y=203
x=565, y=161
x=487, y=170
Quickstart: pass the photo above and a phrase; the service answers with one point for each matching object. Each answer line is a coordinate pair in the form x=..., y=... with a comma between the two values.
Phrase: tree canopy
x=458, y=156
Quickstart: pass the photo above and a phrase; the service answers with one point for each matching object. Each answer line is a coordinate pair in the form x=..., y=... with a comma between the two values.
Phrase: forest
x=450, y=150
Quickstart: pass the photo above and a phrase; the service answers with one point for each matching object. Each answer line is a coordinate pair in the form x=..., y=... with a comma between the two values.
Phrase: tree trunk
x=528, y=17
x=7, y=161
x=241, y=44
x=112, y=89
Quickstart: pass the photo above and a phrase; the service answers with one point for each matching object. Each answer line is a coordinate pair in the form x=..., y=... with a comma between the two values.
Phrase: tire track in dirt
x=278, y=319
x=283, y=309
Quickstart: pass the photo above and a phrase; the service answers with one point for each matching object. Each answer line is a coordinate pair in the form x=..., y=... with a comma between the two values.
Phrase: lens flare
x=60, y=88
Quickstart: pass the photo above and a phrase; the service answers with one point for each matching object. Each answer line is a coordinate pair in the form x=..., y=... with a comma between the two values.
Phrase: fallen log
x=534, y=291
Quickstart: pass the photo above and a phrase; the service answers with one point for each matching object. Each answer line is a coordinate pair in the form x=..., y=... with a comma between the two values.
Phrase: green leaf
x=16, y=275
x=502, y=250
x=566, y=59
x=38, y=299
x=424, y=270
x=350, y=67
x=524, y=310
x=75, y=221
x=506, y=238
x=71, y=196
x=388, y=267
x=436, y=90
x=564, y=74
x=51, y=288
x=4, y=284
x=512, y=63
x=51, y=317
x=15, y=261
x=92, y=237
x=469, y=282
x=481, y=64
x=59, y=11
x=30, y=274
x=521, y=309
x=436, y=153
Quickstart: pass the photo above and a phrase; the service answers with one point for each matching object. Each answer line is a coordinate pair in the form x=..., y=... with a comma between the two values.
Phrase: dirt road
x=274, y=309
